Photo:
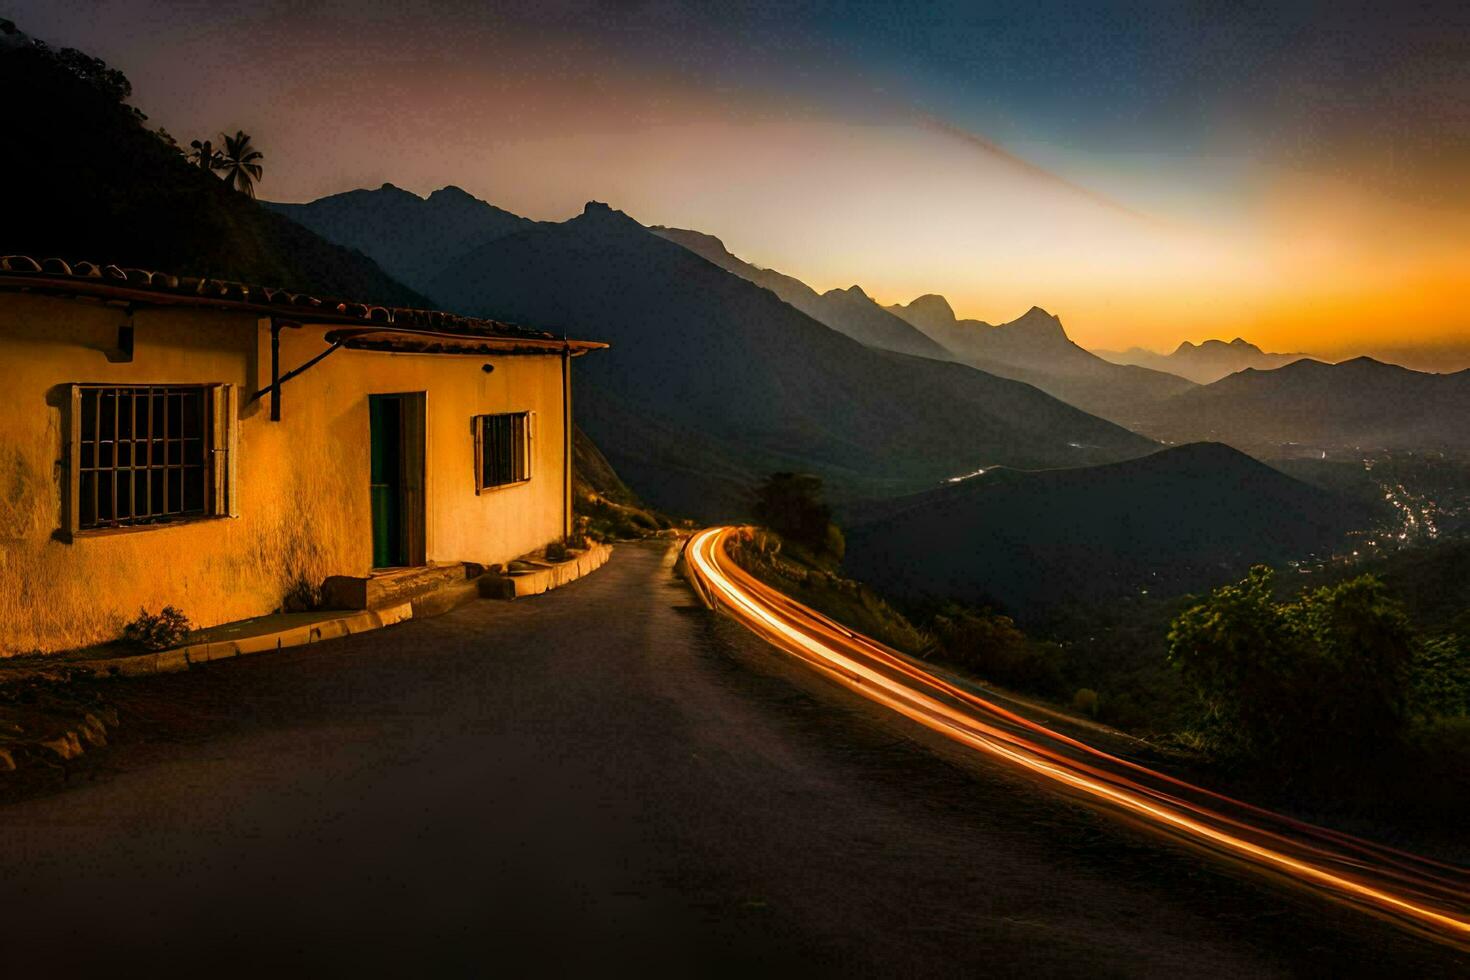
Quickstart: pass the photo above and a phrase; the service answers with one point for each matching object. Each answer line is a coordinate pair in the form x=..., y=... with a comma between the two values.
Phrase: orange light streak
x=1426, y=896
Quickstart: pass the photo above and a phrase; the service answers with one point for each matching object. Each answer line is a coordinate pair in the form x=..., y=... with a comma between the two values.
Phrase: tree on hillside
x=791, y=504
x=205, y=156
x=1320, y=680
x=240, y=162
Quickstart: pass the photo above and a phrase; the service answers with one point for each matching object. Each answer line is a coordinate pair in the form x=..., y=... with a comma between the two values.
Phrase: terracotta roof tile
x=45, y=273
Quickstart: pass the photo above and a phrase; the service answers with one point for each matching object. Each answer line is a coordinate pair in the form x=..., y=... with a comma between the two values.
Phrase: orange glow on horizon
x=857, y=188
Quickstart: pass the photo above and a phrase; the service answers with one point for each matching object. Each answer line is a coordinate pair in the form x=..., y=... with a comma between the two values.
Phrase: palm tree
x=240, y=162
x=204, y=155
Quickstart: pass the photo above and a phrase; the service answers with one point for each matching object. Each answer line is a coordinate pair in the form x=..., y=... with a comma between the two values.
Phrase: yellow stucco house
x=212, y=446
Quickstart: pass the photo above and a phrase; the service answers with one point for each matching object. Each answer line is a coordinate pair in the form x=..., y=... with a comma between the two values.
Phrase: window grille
x=148, y=454
x=503, y=449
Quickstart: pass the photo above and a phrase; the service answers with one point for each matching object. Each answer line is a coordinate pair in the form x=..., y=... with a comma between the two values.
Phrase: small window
x=148, y=454
x=502, y=449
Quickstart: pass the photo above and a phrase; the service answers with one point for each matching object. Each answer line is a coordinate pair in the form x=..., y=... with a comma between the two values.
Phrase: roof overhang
x=356, y=332
x=389, y=340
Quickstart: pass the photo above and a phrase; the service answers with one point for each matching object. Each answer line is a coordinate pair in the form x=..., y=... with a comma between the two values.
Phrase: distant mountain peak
x=451, y=192
x=598, y=217
x=689, y=235
x=933, y=304
x=1038, y=321
x=928, y=312
x=1238, y=346
x=605, y=215
x=386, y=191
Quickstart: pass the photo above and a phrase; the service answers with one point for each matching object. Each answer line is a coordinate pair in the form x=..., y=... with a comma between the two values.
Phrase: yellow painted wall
x=301, y=483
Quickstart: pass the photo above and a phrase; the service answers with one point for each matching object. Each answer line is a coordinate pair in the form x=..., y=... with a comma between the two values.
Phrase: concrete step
x=532, y=576
x=394, y=586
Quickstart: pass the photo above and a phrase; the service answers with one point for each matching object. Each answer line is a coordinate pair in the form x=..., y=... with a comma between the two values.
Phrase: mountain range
x=1203, y=363
x=713, y=381
x=412, y=238
x=1177, y=520
x=131, y=199
x=1035, y=348
x=1357, y=404
x=849, y=311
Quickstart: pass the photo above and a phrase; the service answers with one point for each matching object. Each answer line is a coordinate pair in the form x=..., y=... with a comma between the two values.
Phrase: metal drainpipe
x=566, y=417
x=275, y=371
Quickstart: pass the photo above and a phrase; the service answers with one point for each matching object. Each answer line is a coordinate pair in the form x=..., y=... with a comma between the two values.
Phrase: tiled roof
x=26, y=272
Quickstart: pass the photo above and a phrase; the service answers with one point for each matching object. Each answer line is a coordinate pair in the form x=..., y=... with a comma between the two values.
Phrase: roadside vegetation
x=1338, y=698
x=605, y=509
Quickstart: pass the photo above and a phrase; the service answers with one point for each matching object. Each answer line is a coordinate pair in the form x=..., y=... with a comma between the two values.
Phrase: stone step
x=394, y=586
x=532, y=576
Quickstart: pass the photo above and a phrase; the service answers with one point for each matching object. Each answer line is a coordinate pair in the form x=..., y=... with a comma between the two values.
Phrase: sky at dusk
x=1291, y=173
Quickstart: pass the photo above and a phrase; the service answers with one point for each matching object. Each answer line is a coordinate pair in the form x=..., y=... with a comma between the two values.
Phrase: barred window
x=147, y=454
x=502, y=449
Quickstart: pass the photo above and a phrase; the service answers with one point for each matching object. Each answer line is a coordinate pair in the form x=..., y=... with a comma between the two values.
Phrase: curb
x=349, y=623
x=182, y=658
x=534, y=581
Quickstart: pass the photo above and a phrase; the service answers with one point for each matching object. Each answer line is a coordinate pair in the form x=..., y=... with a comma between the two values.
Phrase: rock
x=66, y=745
x=93, y=731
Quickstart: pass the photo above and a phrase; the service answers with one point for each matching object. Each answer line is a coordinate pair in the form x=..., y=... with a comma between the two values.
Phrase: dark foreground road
x=608, y=780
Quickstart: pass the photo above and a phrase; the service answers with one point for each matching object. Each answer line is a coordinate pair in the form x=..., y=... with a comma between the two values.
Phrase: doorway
x=397, y=480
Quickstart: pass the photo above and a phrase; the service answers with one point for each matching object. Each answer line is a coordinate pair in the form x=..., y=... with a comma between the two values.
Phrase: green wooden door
x=386, y=419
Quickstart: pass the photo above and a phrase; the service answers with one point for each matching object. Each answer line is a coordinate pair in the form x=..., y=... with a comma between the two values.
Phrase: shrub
x=302, y=596
x=1441, y=678
x=990, y=645
x=1321, y=679
x=556, y=551
x=169, y=628
x=835, y=544
x=791, y=505
x=1085, y=701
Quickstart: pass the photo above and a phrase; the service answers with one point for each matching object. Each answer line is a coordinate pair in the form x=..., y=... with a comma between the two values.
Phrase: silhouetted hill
x=1360, y=403
x=1203, y=363
x=413, y=238
x=1176, y=521
x=85, y=179
x=1036, y=349
x=713, y=382
x=849, y=311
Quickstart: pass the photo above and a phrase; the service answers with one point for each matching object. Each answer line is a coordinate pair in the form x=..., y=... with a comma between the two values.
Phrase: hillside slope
x=1203, y=363
x=849, y=311
x=413, y=238
x=1362, y=404
x=713, y=382
x=87, y=180
x=1175, y=521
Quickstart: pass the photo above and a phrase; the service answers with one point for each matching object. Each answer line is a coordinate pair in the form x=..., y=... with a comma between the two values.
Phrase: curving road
x=605, y=779
x=1417, y=893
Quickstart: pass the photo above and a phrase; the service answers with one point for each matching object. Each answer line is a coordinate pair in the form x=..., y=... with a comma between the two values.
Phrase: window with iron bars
x=502, y=450
x=148, y=454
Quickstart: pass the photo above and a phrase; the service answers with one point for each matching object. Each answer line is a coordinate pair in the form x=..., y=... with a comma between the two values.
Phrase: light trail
x=1426, y=896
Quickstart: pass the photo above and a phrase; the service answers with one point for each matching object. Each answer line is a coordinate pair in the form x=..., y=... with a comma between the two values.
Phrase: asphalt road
x=604, y=779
